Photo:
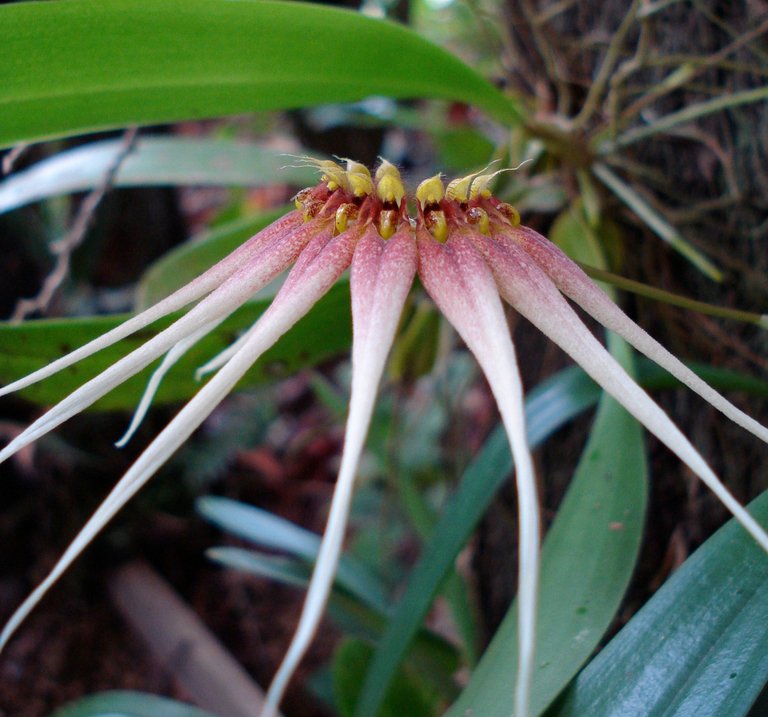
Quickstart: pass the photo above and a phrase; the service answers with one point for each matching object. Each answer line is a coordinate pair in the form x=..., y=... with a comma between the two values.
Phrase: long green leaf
x=178, y=161
x=129, y=704
x=288, y=571
x=689, y=114
x=650, y=375
x=408, y=696
x=266, y=529
x=698, y=648
x=586, y=564
x=79, y=66
x=432, y=654
x=660, y=226
x=325, y=332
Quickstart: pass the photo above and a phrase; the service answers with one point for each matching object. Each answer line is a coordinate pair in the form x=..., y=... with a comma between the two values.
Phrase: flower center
x=350, y=194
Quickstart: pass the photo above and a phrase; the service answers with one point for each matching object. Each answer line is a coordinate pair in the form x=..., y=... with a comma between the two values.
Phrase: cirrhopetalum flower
x=470, y=252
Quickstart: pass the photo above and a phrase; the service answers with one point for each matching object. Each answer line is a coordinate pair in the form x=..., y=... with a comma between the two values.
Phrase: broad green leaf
x=586, y=564
x=462, y=148
x=548, y=407
x=266, y=529
x=187, y=261
x=79, y=66
x=325, y=332
x=698, y=648
x=129, y=704
x=177, y=161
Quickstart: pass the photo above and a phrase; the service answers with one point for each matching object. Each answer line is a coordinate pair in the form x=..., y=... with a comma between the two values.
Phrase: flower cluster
x=470, y=252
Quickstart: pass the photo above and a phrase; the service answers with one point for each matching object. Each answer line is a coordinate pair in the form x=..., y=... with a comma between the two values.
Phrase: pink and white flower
x=470, y=252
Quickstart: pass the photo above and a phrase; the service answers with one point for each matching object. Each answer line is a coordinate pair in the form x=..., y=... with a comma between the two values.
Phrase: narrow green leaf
x=129, y=704
x=408, y=695
x=187, y=261
x=660, y=226
x=176, y=161
x=288, y=571
x=73, y=67
x=548, y=407
x=266, y=529
x=667, y=297
x=698, y=648
x=325, y=332
x=689, y=114
x=586, y=564
x=346, y=610
x=432, y=655
x=651, y=375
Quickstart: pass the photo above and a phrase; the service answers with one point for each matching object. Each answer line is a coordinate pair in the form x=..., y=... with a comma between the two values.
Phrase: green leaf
x=651, y=375
x=432, y=655
x=607, y=278
x=407, y=696
x=586, y=564
x=576, y=237
x=176, y=161
x=462, y=148
x=79, y=66
x=288, y=571
x=266, y=529
x=690, y=114
x=187, y=261
x=655, y=222
x=325, y=332
x=129, y=704
x=698, y=648
x=548, y=407
x=596, y=242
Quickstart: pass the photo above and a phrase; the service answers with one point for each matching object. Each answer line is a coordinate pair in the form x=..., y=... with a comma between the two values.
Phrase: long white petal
x=222, y=357
x=573, y=282
x=202, y=285
x=286, y=309
x=241, y=285
x=169, y=360
x=525, y=285
x=191, y=416
x=305, y=262
x=461, y=284
x=382, y=273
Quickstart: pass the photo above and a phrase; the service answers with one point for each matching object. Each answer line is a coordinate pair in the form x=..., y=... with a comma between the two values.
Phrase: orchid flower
x=470, y=252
